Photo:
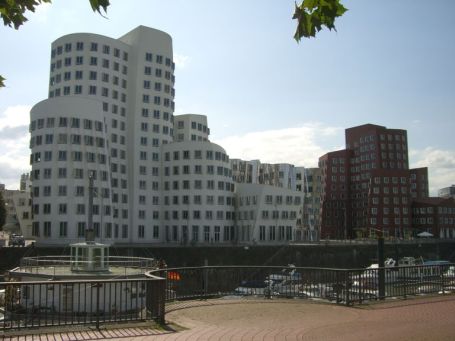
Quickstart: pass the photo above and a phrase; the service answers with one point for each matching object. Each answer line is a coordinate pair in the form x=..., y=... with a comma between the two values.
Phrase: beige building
x=18, y=208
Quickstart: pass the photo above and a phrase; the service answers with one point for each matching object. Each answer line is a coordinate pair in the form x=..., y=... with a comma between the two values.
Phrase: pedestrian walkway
x=426, y=318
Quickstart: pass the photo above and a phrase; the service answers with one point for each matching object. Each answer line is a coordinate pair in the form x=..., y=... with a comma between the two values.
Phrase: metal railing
x=120, y=261
x=31, y=304
x=344, y=286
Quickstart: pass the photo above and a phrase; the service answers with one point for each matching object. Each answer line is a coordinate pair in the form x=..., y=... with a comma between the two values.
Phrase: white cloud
x=14, y=116
x=180, y=60
x=299, y=146
x=14, y=140
x=440, y=163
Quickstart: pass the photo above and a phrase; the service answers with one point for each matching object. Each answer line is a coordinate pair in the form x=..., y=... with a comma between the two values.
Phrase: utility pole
x=89, y=231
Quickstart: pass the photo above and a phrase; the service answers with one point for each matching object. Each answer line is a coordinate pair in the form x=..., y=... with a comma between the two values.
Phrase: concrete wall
x=337, y=256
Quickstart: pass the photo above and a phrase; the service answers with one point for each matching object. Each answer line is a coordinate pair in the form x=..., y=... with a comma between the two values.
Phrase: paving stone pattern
x=426, y=318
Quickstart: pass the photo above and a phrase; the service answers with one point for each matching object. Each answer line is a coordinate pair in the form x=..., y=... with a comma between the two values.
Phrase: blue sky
x=266, y=96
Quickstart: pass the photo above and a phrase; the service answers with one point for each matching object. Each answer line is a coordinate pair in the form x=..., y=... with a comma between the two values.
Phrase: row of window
x=62, y=173
x=110, y=230
x=156, y=128
x=157, y=101
x=158, y=59
x=194, y=125
x=197, y=215
x=387, y=210
x=92, y=90
x=197, y=184
x=197, y=154
x=387, y=190
x=157, y=87
x=93, y=61
x=93, y=75
x=430, y=210
x=79, y=209
x=387, y=221
x=272, y=215
x=181, y=233
x=288, y=200
x=76, y=139
x=62, y=155
x=72, y=122
x=159, y=73
x=181, y=137
x=275, y=233
x=197, y=169
x=196, y=200
x=388, y=200
x=79, y=46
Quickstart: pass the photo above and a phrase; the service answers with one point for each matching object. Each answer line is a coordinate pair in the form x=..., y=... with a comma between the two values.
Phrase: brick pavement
x=426, y=318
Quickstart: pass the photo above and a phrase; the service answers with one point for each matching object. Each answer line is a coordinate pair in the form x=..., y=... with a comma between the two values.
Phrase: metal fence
x=31, y=304
x=33, y=264
x=344, y=286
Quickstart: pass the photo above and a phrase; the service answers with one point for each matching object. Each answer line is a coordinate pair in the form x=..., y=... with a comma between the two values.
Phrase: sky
x=267, y=97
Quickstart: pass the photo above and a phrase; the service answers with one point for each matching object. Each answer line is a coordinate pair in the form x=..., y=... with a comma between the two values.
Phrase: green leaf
x=12, y=11
x=312, y=15
x=97, y=5
x=2, y=84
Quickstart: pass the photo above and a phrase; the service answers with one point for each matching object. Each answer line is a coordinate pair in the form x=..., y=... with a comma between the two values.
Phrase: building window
x=35, y=229
x=81, y=229
x=141, y=231
x=262, y=232
x=47, y=229
x=63, y=229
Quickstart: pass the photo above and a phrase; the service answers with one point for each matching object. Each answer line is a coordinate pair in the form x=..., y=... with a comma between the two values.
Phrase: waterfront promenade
x=424, y=318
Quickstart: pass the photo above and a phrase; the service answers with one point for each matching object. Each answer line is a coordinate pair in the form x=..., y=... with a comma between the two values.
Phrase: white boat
x=285, y=283
x=406, y=269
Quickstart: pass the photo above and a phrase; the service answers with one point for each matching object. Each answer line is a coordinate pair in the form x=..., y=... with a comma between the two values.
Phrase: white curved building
x=66, y=148
x=158, y=179
x=198, y=193
x=113, y=101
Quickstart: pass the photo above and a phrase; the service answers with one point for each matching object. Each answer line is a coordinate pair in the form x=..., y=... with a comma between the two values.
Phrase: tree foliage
x=13, y=13
x=2, y=212
x=312, y=15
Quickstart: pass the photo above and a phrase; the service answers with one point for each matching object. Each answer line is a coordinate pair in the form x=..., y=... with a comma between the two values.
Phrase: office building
x=368, y=187
x=157, y=178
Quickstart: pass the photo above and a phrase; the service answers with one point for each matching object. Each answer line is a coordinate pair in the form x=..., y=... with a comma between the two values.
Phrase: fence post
x=405, y=281
x=441, y=276
x=98, y=305
x=381, y=268
x=155, y=299
x=205, y=280
x=347, y=286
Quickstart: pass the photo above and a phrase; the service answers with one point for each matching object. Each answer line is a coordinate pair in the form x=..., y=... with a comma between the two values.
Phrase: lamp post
x=381, y=263
x=345, y=222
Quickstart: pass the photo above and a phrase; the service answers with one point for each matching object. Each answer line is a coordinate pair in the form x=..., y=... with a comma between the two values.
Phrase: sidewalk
x=428, y=318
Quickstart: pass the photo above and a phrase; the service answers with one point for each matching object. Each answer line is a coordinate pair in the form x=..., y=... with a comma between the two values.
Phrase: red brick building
x=434, y=215
x=335, y=194
x=377, y=186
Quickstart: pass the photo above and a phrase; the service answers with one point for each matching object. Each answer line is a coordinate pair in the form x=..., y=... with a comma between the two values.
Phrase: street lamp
x=381, y=263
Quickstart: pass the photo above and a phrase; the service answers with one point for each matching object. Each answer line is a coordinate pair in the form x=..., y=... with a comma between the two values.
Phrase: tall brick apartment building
x=368, y=186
